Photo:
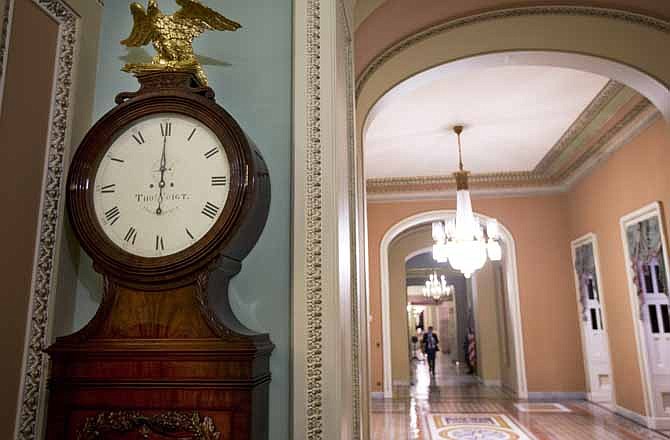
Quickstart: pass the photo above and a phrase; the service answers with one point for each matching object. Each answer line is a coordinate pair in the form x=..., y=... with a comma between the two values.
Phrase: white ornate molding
x=623, y=132
x=561, y=161
x=549, y=177
x=587, y=116
x=34, y=371
x=314, y=227
x=358, y=385
x=326, y=293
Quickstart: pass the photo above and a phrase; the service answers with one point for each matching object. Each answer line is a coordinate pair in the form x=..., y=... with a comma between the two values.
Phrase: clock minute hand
x=161, y=184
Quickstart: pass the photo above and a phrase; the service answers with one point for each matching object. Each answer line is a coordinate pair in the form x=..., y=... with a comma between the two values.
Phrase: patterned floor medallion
x=474, y=427
x=453, y=405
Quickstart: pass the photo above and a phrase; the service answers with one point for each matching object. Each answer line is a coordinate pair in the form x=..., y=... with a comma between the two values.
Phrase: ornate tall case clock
x=167, y=195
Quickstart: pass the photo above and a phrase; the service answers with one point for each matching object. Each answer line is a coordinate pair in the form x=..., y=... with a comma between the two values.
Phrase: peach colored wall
x=411, y=241
x=397, y=19
x=633, y=177
x=548, y=305
x=486, y=322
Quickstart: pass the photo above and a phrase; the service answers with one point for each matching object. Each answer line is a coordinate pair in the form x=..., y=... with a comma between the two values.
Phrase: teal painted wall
x=251, y=76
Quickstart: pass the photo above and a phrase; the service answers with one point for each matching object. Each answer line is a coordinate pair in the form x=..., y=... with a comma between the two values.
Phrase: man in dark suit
x=430, y=347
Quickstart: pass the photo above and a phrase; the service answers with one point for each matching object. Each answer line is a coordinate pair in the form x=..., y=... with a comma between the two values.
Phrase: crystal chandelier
x=437, y=288
x=462, y=241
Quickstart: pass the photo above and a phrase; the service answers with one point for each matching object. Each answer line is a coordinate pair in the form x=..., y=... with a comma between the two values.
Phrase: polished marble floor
x=453, y=405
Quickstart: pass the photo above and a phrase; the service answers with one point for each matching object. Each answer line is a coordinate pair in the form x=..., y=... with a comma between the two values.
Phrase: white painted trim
x=631, y=415
x=412, y=196
x=512, y=292
x=556, y=395
x=418, y=252
x=322, y=353
x=626, y=135
x=592, y=239
x=659, y=423
x=377, y=395
x=623, y=137
x=651, y=210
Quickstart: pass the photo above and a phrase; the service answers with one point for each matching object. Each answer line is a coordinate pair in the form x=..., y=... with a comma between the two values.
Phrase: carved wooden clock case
x=155, y=362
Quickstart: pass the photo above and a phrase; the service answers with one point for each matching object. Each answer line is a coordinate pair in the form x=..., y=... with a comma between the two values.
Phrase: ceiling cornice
x=595, y=108
x=580, y=148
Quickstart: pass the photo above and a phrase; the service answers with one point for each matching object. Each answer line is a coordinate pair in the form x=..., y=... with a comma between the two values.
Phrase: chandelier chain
x=458, y=129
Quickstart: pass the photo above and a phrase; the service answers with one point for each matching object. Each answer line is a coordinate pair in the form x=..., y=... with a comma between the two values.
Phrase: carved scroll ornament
x=185, y=426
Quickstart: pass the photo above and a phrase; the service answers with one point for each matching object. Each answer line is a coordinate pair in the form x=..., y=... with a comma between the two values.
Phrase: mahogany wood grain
x=154, y=345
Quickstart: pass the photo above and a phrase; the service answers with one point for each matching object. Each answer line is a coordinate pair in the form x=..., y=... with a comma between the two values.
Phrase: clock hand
x=161, y=184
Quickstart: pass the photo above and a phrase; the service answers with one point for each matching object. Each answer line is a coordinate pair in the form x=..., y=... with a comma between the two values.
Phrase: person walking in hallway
x=430, y=347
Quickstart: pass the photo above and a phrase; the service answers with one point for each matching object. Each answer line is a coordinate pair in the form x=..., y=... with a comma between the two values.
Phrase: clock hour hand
x=161, y=183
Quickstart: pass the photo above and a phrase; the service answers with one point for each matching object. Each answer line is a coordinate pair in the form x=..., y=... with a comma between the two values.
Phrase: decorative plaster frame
x=651, y=418
x=592, y=239
x=546, y=176
x=31, y=399
x=356, y=230
x=327, y=305
x=637, y=120
x=512, y=292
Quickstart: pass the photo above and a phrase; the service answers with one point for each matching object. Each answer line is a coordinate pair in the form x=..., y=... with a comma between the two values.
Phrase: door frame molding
x=32, y=389
x=328, y=353
x=592, y=239
x=653, y=209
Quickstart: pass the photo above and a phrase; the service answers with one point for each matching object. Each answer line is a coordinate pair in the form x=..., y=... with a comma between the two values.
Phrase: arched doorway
x=512, y=292
x=575, y=37
x=524, y=36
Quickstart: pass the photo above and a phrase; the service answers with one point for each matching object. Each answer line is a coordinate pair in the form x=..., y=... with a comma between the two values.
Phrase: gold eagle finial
x=172, y=35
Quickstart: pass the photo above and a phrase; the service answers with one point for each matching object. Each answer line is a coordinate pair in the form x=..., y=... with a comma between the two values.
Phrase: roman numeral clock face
x=161, y=185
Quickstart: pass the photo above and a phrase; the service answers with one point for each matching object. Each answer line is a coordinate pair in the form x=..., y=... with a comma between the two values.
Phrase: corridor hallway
x=453, y=405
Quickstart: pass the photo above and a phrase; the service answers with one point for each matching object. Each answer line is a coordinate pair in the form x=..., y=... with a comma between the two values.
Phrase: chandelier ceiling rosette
x=463, y=241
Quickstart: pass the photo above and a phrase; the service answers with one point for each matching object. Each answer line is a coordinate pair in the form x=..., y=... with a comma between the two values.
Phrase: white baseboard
x=603, y=398
x=377, y=395
x=556, y=395
x=400, y=382
x=632, y=415
x=659, y=423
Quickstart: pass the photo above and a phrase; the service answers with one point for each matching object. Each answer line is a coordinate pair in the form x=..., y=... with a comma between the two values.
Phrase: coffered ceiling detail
x=571, y=121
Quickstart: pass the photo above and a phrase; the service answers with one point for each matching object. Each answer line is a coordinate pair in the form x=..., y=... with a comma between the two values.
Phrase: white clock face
x=161, y=185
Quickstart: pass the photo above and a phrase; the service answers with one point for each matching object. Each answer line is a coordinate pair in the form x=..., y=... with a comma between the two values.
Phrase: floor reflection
x=454, y=405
